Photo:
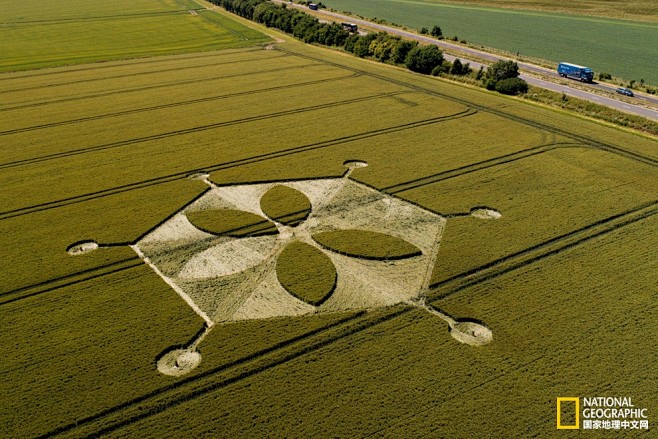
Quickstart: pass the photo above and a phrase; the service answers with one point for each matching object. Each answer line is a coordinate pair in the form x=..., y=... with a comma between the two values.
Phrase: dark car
x=625, y=91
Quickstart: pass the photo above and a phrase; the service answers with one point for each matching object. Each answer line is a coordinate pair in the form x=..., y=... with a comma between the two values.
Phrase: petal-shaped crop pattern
x=235, y=223
x=285, y=205
x=306, y=273
x=366, y=244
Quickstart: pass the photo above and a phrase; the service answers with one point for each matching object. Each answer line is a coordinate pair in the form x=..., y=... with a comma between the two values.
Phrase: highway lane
x=568, y=90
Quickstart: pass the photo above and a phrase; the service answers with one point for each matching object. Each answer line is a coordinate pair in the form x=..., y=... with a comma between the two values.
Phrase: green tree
x=502, y=70
x=424, y=31
x=436, y=32
x=423, y=59
x=401, y=49
x=457, y=67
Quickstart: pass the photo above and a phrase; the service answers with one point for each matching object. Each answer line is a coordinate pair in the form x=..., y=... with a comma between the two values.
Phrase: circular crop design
x=315, y=282
x=285, y=205
x=471, y=333
x=367, y=244
x=82, y=247
x=178, y=362
x=234, y=223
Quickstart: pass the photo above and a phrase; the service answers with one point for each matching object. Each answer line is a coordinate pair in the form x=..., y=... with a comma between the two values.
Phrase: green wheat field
x=104, y=152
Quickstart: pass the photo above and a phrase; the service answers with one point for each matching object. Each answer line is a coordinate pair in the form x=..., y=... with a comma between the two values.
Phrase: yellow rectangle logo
x=559, y=414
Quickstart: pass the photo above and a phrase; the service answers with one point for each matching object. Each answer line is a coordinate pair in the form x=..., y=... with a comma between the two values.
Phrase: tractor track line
x=475, y=167
x=540, y=251
x=10, y=76
x=201, y=377
x=133, y=75
x=99, y=274
x=69, y=279
x=226, y=165
x=172, y=105
x=192, y=130
x=156, y=86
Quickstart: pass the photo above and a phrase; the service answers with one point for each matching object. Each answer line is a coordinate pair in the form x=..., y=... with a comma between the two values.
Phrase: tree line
x=383, y=47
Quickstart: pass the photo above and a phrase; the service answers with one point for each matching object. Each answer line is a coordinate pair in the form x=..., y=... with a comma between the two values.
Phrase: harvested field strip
x=489, y=109
x=463, y=170
x=16, y=11
x=225, y=165
x=533, y=254
x=172, y=396
x=163, y=106
x=103, y=37
x=54, y=284
x=194, y=130
x=128, y=65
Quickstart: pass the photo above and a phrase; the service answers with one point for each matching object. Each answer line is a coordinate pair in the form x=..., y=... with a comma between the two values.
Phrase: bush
x=603, y=76
x=511, y=86
x=436, y=32
x=423, y=59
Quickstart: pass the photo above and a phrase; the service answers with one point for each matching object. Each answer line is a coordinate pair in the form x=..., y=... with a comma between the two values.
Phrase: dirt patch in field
x=80, y=248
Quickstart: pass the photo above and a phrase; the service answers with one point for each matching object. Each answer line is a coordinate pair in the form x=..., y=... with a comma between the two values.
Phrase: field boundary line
x=27, y=74
x=542, y=126
x=173, y=105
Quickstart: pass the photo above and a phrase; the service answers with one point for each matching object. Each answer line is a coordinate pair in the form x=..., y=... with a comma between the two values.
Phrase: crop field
x=39, y=34
x=286, y=241
x=642, y=10
x=622, y=48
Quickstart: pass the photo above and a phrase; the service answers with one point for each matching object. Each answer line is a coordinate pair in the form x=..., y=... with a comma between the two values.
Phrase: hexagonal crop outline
x=368, y=250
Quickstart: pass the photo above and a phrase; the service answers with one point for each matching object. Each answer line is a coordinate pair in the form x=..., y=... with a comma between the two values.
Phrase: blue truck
x=585, y=74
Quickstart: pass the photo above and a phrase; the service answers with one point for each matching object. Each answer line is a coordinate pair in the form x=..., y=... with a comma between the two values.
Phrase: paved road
x=618, y=104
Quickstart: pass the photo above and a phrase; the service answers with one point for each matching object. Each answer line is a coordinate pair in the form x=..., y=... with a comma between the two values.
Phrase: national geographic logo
x=600, y=413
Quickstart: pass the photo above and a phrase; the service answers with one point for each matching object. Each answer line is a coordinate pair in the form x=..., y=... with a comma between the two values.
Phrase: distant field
x=40, y=34
x=643, y=10
x=622, y=48
x=104, y=152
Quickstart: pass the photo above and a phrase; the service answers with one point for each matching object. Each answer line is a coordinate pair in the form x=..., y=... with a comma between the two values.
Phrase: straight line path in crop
x=53, y=73
x=134, y=75
x=95, y=18
x=230, y=164
x=475, y=167
x=69, y=280
x=158, y=86
x=220, y=377
x=540, y=251
x=193, y=130
x=171, y=105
